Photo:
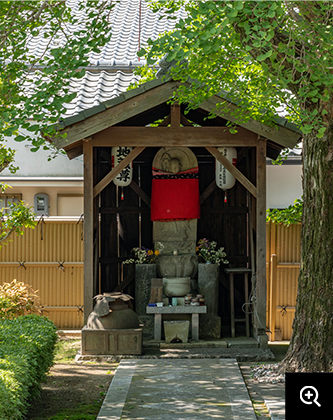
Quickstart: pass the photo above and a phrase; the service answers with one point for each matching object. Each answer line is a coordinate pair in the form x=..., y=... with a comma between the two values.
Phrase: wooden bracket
x=175, y=115
x=115, y=171
x=233, y=170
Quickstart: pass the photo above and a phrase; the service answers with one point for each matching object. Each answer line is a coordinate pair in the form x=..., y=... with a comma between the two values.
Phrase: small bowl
x=159, y=304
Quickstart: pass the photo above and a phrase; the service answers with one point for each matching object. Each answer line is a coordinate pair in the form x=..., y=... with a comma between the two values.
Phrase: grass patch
x=66, y=349
x=82, y=412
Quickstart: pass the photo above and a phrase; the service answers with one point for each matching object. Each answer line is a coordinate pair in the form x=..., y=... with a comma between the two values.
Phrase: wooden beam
x=173, y=136
x=260, y=319
x=88, y=245
x=175, y=115
x=115, y=171
x=224, y=210
x=144, y=197
x=211, y=187
x=117, y=113
x=127, y=280
x=233, y=170
x=124, y=210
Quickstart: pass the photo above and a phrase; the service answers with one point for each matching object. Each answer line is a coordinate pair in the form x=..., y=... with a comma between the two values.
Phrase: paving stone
x=177, y=389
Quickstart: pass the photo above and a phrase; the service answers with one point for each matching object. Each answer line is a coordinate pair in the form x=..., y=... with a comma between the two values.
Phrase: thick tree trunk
x=311, y=346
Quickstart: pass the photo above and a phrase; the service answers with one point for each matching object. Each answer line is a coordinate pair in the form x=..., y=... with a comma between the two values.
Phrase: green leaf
x=263, y=57
x=233, y=13
x=20, y=138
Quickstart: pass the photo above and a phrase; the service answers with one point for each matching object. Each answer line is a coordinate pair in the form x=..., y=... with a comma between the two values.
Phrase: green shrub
x=17, y=298
x=26, y=353
x=289, y=216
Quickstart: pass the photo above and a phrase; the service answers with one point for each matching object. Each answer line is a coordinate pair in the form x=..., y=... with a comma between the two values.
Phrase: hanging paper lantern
x=124, y=178
x=224, y=179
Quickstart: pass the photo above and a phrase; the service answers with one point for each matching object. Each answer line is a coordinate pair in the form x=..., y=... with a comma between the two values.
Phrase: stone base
x=209, y=326
x=115, y=341
x=176, y=330
x=147, y=323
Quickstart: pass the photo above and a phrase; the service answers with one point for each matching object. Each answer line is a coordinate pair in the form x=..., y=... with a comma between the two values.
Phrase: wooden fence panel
x=50, y=259
x=283, y=261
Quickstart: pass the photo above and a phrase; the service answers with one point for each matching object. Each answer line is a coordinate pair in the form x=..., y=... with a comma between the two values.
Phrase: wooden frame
x=107, y=129
x=88, y=244
x=174, y=136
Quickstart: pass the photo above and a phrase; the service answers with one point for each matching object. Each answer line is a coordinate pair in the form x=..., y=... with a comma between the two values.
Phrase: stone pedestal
x=143, y=275
x=111, y=341
x=210, y=326
x=176, y=330
x=208, y=284
x=147, y=324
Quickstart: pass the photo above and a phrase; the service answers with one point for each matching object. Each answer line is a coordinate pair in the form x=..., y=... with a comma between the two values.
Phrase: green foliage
x=68, y=42
x=17, y=298
x=7, y=158
x=290, y=216
x=14, y=218
x=264, y=54
x=84, y=412
x=26, y=354
x=146, y=74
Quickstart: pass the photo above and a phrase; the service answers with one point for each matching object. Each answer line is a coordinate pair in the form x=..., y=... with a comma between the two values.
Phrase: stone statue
x=178, y=235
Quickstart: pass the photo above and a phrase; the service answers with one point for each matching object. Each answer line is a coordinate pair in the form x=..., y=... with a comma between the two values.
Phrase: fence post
x=273, y=287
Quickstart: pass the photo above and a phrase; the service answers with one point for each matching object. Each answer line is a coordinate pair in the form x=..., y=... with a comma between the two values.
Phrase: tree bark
x=311, y=346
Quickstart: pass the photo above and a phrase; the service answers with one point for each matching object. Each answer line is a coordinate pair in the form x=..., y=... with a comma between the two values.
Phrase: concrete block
x=176, y=330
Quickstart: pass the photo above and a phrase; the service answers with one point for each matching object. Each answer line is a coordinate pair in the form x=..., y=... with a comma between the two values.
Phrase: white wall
x=36, y=164
x=284, y=185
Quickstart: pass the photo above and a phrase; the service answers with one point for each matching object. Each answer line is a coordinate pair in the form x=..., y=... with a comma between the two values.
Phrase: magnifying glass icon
x=309, y=395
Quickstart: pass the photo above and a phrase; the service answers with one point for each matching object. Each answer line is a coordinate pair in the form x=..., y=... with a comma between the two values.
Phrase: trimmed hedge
x=26, y=354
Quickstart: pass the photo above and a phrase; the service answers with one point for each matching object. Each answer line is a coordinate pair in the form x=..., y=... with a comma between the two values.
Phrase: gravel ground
x=268, y=373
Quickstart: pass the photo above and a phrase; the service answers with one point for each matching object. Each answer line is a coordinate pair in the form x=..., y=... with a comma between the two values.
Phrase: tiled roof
x=132, y=23
x=111, y=71
x=95, y=88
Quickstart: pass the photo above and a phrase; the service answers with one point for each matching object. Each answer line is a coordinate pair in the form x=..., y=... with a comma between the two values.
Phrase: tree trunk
x=311, y=346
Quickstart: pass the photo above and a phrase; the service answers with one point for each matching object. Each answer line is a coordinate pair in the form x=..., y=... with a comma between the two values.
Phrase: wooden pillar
x=260, y=311
x=88, y=246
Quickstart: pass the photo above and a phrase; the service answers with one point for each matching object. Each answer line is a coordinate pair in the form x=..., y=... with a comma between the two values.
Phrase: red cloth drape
x=175, y=196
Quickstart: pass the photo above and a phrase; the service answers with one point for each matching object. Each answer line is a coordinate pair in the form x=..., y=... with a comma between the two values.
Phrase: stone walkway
x=182, y=389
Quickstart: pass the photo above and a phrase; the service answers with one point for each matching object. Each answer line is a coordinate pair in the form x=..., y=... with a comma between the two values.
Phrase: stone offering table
x=176, y=310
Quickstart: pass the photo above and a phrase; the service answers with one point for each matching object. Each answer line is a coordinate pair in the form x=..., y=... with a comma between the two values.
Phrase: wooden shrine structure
x=112, y=226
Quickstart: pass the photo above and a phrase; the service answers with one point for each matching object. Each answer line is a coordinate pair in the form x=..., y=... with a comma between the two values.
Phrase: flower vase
x=143, y=275
x=208, y=283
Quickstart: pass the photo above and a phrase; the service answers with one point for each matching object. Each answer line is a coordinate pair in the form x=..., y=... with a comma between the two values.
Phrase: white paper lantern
x=224, y=179
x=124, y=178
